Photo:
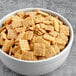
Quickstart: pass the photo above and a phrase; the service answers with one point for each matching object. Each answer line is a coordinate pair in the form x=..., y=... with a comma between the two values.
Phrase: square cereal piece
x=20, y=29
x=37, y=32
x=56, y=25
x=11, y=34
x=7, y=21
x=63, y=36
x=20, y=36
x=59, y=40
x=41, y=12
x=7, y=45
x=27, y=55
x=57, y=50
x=40, y=29
x=39, y=19
x=24, y=45
x=61, y=47
x=39, y=49
x=28, y=35
x=48, y=37
x=64, y=29
x=28, y=22
x=47, y=27
x=21, y=14
x=39, y=39
x=47, y=22
x=31, y=14
x=15, y=17
x=50, y=51
x=16, y=23
x=17, y=55
x=53, y=33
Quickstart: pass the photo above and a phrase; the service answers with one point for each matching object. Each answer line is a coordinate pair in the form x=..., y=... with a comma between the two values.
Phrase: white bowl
x=37, y=67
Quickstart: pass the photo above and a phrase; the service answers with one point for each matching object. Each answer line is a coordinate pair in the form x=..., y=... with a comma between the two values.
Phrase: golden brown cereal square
x=64, y=29
x=16, y=23
x=56, y=25
x=61, y=47
x=38, y=19
x=40, y=29
x=11, y=34
x=7, y=44
x=8, y=21
x=21, y=14
x=53, y=33
x=27, y=55
x=20, y=29
x=28, y=35
x=39, y=49
x=48, y=37
x=24, y=45
x=1, y=41
x=57, y=50
x=50, y=51
x=28, y=22
x=47, y=27
x=41, y=13
x=20, y=36
x=17, y=55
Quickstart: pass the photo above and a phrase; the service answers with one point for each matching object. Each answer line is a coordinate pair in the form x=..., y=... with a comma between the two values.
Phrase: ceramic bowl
x=42, y=66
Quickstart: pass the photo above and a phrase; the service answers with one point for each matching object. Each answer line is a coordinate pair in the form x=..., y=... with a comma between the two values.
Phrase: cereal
x=29, y=21
x=27, y=56
x=28, y=35
x=57, y=50
x=53, y=33
x=39, y=19
x=38, y=27
x=41, y=13
x=39, y=49
x=56, y=25
x=11, y=34
x=20, y=29
x=49, y=52
x=1, y=29
x=20, y=36
x=8, y=21
x=17, y=55
x=33, y=35
x=16, y=23
x=48, y=37
x=47, y=27
x=7, y=44
x=21, y=14
x=64, y=29
x=24, y=45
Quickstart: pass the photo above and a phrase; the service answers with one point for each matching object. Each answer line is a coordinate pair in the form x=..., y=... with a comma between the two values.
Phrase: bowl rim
x=48, y=11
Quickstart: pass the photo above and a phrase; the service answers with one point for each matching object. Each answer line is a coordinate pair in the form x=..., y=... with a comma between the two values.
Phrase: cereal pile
x=33, y=35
